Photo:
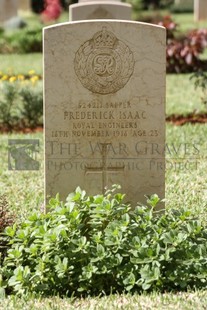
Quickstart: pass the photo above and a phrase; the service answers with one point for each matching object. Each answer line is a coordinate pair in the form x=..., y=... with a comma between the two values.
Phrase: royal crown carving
x=104, y=64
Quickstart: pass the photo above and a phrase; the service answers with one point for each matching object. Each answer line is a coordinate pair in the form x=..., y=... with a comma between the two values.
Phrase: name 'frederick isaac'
x=107, y=115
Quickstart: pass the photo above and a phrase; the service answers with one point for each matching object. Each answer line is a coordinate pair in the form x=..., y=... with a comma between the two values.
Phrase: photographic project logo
x=22, y=154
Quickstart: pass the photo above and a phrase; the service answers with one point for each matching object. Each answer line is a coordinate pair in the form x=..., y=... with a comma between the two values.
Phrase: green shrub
x=20, y=107
x=27, y=40
x=32, y=106
x=8, y=110
x=136, y=4
x=200, y=81
x=97, y=244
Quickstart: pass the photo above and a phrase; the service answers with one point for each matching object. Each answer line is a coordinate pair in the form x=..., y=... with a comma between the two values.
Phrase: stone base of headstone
x=200, y=10
x=100, y=10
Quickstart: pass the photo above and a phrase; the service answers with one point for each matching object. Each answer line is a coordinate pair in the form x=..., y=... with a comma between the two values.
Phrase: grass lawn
x=21, y=64
x=181, y=96
x=180, y=301
x=24, y=190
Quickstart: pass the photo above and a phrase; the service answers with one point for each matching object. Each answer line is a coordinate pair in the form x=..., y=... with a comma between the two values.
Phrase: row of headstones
x=90, y=9
x=83, y=10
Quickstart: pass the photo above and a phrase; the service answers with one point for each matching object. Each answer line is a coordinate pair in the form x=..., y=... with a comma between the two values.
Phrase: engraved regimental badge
x=104, y=64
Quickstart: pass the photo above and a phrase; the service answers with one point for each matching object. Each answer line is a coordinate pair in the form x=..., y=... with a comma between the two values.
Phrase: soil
x=21, y=130
x=191, y=118
x=178, y=120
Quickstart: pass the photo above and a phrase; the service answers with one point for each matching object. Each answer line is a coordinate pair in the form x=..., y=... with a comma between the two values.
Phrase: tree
x=37, y=6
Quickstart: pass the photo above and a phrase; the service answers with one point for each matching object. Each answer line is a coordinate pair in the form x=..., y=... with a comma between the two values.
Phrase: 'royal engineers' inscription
x=104, y=108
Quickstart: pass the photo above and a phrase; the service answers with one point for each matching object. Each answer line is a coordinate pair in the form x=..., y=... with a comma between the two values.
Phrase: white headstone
x=104, y=93
x=200, y=10
x=87, y=10
x=8, y=9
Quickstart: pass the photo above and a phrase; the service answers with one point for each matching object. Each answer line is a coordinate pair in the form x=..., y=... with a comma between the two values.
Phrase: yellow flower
x=12, y=79
x=4, y=77
x=20, y=77
x=34, y=79
x=31, y=72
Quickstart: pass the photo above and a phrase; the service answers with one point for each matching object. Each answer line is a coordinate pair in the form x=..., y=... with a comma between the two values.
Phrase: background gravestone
x=8, y=9
x=200, y=10
x=100, y=9
x=104, y=108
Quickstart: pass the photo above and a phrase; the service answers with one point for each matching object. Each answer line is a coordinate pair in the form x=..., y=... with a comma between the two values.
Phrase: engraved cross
x=104, y=169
